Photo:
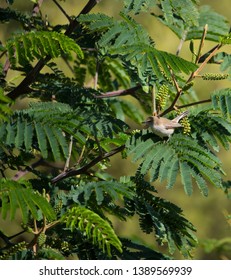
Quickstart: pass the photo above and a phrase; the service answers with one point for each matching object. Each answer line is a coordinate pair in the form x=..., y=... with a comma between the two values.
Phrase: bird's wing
x=173, y=125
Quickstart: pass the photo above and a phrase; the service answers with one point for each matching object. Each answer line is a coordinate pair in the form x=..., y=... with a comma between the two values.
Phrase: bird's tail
x=181, y=116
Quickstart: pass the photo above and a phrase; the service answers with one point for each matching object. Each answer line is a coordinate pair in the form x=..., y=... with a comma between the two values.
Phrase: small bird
x=164, y=127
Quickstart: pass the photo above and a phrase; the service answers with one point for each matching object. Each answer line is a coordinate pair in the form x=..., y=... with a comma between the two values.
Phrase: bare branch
x=201, y=43
x=62, y=10
x=194, y=103
x=181, y=42
x=118, y=92
x=85, y=168
x=67, y=164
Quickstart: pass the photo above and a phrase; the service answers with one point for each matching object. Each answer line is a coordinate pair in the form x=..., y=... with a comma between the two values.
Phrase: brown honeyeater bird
x=164, y=127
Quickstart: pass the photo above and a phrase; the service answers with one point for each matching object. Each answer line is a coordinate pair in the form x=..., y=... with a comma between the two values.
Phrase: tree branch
x=85, y=168
x=22, y=173
x=120, y=92
x=67, y=164
x=62, y=10
x=193, y=75
x=23, y=87
x=182, y=40
x=194, y=103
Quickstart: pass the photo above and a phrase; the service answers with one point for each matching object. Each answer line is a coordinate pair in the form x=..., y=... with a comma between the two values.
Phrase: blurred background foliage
x=210, y=215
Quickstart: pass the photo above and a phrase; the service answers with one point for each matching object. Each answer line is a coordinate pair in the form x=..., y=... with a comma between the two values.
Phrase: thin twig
x=22, y=173
x=191, y=77
x=81, y=155
x=178, y=94
x=67, y=164
x=96, y=74
x=85, y=168
x=68, y=65
x=201, y=43
x=195, y=73
x=154, y=111
x=1, y=55
x=52, y=224
x=6, y=66
x=5, y=238
x=194, y=103
x=181, y=42
x=62, y=10
x=119, y=92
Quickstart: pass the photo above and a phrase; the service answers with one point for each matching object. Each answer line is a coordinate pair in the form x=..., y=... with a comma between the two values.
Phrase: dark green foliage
x=187, y=22
x=48, y=253
x=134, y=251
x=218, y=131
x=4, y=106
x=63, y=137
x=221, y=100
x=16, y=195
x=137, y=6
x=161, y=216
x=131, y=43
x=225, y=60
x=181, y=153
x=218, y=25
x=179, y=16
x=102, y=190
x=47, y=122
x=24, y=48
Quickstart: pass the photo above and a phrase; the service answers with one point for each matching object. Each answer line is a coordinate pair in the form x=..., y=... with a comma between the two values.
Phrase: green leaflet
x=47, y=127
x=158, y=61
x=101, y=190
x=185, y=10
x=179, y=15
x=137, y=6
x=96, y=228
x=14, y=195
x=218, y=129
x=161, y=216
x=24, y=48
x=181, y=154
x=5, y=110
x=186, y=177
x=129, y=40
x=221, y=100
x=218, y=25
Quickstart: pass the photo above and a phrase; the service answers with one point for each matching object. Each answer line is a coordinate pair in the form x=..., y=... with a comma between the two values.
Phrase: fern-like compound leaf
x=24, y=48
x=137, y=6
x=221, y=100
x=180, y=155
x=15, y=195
x=97, y=229
x=218, y=25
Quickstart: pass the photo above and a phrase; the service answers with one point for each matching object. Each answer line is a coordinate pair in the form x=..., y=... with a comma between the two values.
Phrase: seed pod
x=214, y=76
